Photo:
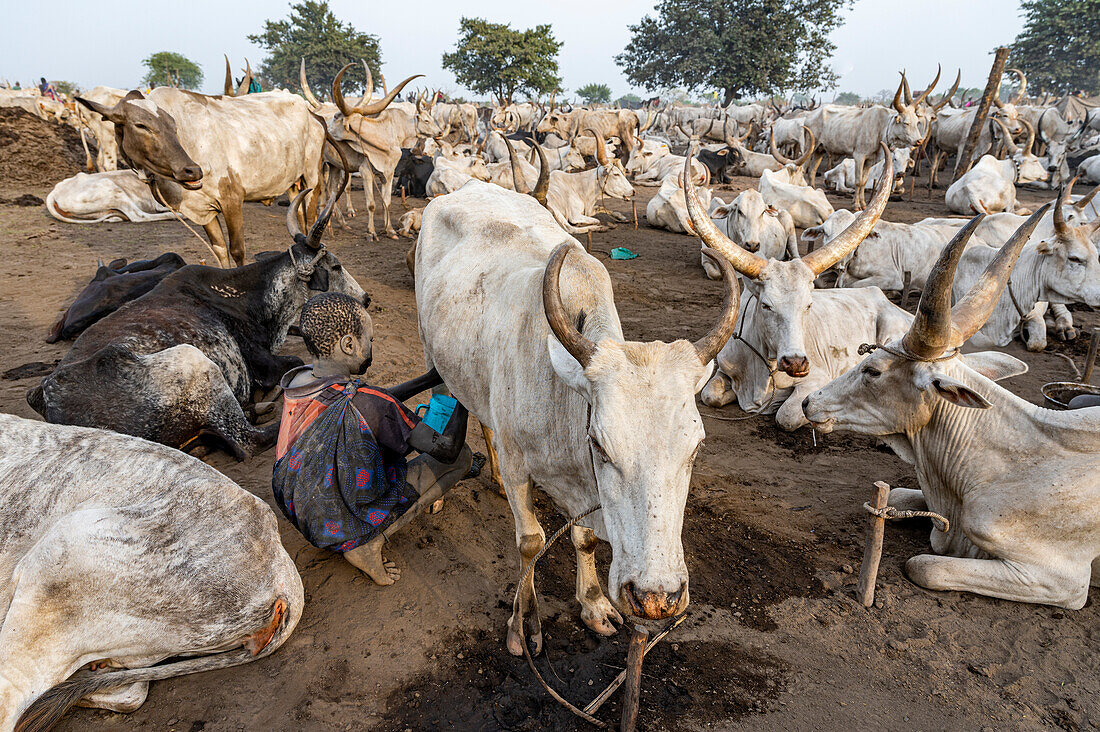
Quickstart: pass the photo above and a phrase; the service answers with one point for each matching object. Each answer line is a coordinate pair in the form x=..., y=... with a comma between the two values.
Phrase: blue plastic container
x=437, y=412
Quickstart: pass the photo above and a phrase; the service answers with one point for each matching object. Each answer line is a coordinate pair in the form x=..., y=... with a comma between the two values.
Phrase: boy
x=375, y=491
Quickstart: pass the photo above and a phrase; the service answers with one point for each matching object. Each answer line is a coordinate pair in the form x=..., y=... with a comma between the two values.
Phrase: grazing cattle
x=842, y=178
x=887, y=253
x=521, y=324
x=782, y=292
x=667, y=209
x=857, y=132
x=115, y=195
x=112, y=287
x=412, y=173
x=371, y=136
x=573, y=198
x=176, y=365
x=121, y=553
x=1060, y=267
x=807, y=206
x=1017, y=483
x=208, y=155
x=754, y=226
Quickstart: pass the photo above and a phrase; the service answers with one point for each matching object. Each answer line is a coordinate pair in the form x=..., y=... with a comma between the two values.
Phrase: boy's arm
x=444, y=446
x=414, y=386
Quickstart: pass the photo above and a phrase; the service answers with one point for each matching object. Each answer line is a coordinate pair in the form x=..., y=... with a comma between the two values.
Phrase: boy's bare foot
x=368, y=558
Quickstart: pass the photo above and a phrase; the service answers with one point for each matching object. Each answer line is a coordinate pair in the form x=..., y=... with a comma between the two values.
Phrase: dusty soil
x=35, y=152
x=774, y=639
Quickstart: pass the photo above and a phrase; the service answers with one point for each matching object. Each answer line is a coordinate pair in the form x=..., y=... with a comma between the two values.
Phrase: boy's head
x=337, y=328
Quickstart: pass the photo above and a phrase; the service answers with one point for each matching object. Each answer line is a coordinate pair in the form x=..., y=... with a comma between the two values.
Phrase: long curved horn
x=227, y=90
x=318, y=229
x=924, y=94
x=709, y=345
x=809, y=148
x=1086, y=200
x=905, y=89
x=947, y=97
x=306, y=91
x=747, y=263
x=517, y=174
x=601, y=149
x=542, y=185
x=975, y=307
x=246, y=82
x=292, y=216
x=1030, y=136
x=368, y=109
x=567, y=334
x=897, y=96
x=369, y=88
x=1061, y=228
x=1007, y=136
x=650, y=116
x=1023, y=86
x=774, y=150
x=822, y=259
x=929, y=335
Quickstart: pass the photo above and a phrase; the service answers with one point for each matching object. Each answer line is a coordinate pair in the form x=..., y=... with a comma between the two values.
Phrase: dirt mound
x=36, y=152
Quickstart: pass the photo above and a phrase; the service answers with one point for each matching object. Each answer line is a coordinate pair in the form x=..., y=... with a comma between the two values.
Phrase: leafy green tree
x=847, y=98
x=171, y=69
x=595, y=93
x=739, y=47
x=314, y=33
x=629, y=100
x=492, y=58
x=1059, y=47
x=66, y=87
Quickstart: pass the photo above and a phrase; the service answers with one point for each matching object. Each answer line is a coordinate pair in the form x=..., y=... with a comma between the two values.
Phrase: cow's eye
x=140, y=126
x=598, y=449
x=1076, y=260
x=765, y=306
x=871, y=372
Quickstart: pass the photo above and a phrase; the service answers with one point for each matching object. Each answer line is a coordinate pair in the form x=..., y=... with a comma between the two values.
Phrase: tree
x=491, y=58
x=171, y=69
x=314, y=33
x=595, y=93
x=66, y=87
x=1059, y=47
x=739, y=47
x=847, y=98
x=631, y=101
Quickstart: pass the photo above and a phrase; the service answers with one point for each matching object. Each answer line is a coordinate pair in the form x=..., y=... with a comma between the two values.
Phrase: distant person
x=47, y=89
x=17, y=87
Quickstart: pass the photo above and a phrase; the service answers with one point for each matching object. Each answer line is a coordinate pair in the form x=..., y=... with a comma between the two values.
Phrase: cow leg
x=1033, y=329
x=385, y=183
x=597, y=612
x=719, y=391
x=790, y=415
x=366, y=172
x=234, y=222
x=529, y=539
x=1056, y=581
x=1063, y=322
x=494, y=460
x=907, y=499
x=862, y=173
x=217, y=241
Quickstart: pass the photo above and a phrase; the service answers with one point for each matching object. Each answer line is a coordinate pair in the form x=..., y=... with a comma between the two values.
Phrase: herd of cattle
x=520, y=321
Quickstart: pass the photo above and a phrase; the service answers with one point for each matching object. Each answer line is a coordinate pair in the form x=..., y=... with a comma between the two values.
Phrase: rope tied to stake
x=889, y=512
x=866, y=348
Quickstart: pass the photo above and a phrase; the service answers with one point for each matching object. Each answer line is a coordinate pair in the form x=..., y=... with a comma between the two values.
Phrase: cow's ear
x=567, y=368
x=319, y=280
x=994, y=364
x=958, y=393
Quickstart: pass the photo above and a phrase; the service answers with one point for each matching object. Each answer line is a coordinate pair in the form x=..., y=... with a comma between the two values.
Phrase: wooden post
x=872, y=550
x=634, y=653
x=1090, y=360
x=992, y=87
x=906, y=282
x=635, y=205
x=588, y=246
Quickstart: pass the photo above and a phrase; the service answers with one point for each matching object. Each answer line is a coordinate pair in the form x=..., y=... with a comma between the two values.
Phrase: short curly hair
x=327, y=318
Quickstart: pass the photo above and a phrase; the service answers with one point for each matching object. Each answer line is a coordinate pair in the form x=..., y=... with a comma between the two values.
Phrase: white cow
x=117, y=553
x=521, y=324
x=807, y=206
x=842, y=177
x=667, y=209
x=1017, y=483
x=573, y=198
x=652, y=161
x=988, y=187
x=754, y=226
x=115, y=195
x=451, y=172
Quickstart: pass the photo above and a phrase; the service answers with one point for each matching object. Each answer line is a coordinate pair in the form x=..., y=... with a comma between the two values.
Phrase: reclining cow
x=753, y=225
x=93, y=198
x=989, y=187
x=652, y=161
x=176, y=365
x=118, y=554
x=574, y=198
x=781, y=189
x=842, y=177
x=667, y=210
x=1017, y=483
x=521, y=324
x=113, y=286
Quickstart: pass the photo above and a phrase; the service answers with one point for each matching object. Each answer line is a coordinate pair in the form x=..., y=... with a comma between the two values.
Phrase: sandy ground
x=774, y=528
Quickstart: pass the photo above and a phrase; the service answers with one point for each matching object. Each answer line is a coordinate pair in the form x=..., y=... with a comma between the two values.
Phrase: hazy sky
x=103, y=42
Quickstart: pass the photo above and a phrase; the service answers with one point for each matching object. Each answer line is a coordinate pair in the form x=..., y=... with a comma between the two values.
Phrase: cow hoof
x=515, y=643
x=1068, y=334
x=601, y=620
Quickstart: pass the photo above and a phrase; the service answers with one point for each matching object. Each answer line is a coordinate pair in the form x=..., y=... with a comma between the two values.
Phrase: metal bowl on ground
x=1059, y=393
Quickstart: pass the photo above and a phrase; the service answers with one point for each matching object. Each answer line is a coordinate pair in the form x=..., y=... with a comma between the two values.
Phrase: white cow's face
x=643, y=157
x=613, y=181
x=1070, y=267
x=1030, y=168
x=784, y=295
x=644, y=434
x=904, y=129
x=558, y=122
x=749, y=221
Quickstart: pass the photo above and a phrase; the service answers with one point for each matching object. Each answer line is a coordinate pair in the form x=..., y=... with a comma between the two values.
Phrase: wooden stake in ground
x=992, y=87
x=1090, y=360
x=635, y=651
x=588, y=246
x=872, y=550
x=908, y=280
x=635, y=205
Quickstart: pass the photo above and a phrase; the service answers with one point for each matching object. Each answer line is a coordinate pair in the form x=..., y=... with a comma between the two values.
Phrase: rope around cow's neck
x=866, y=348
x=151, y=182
